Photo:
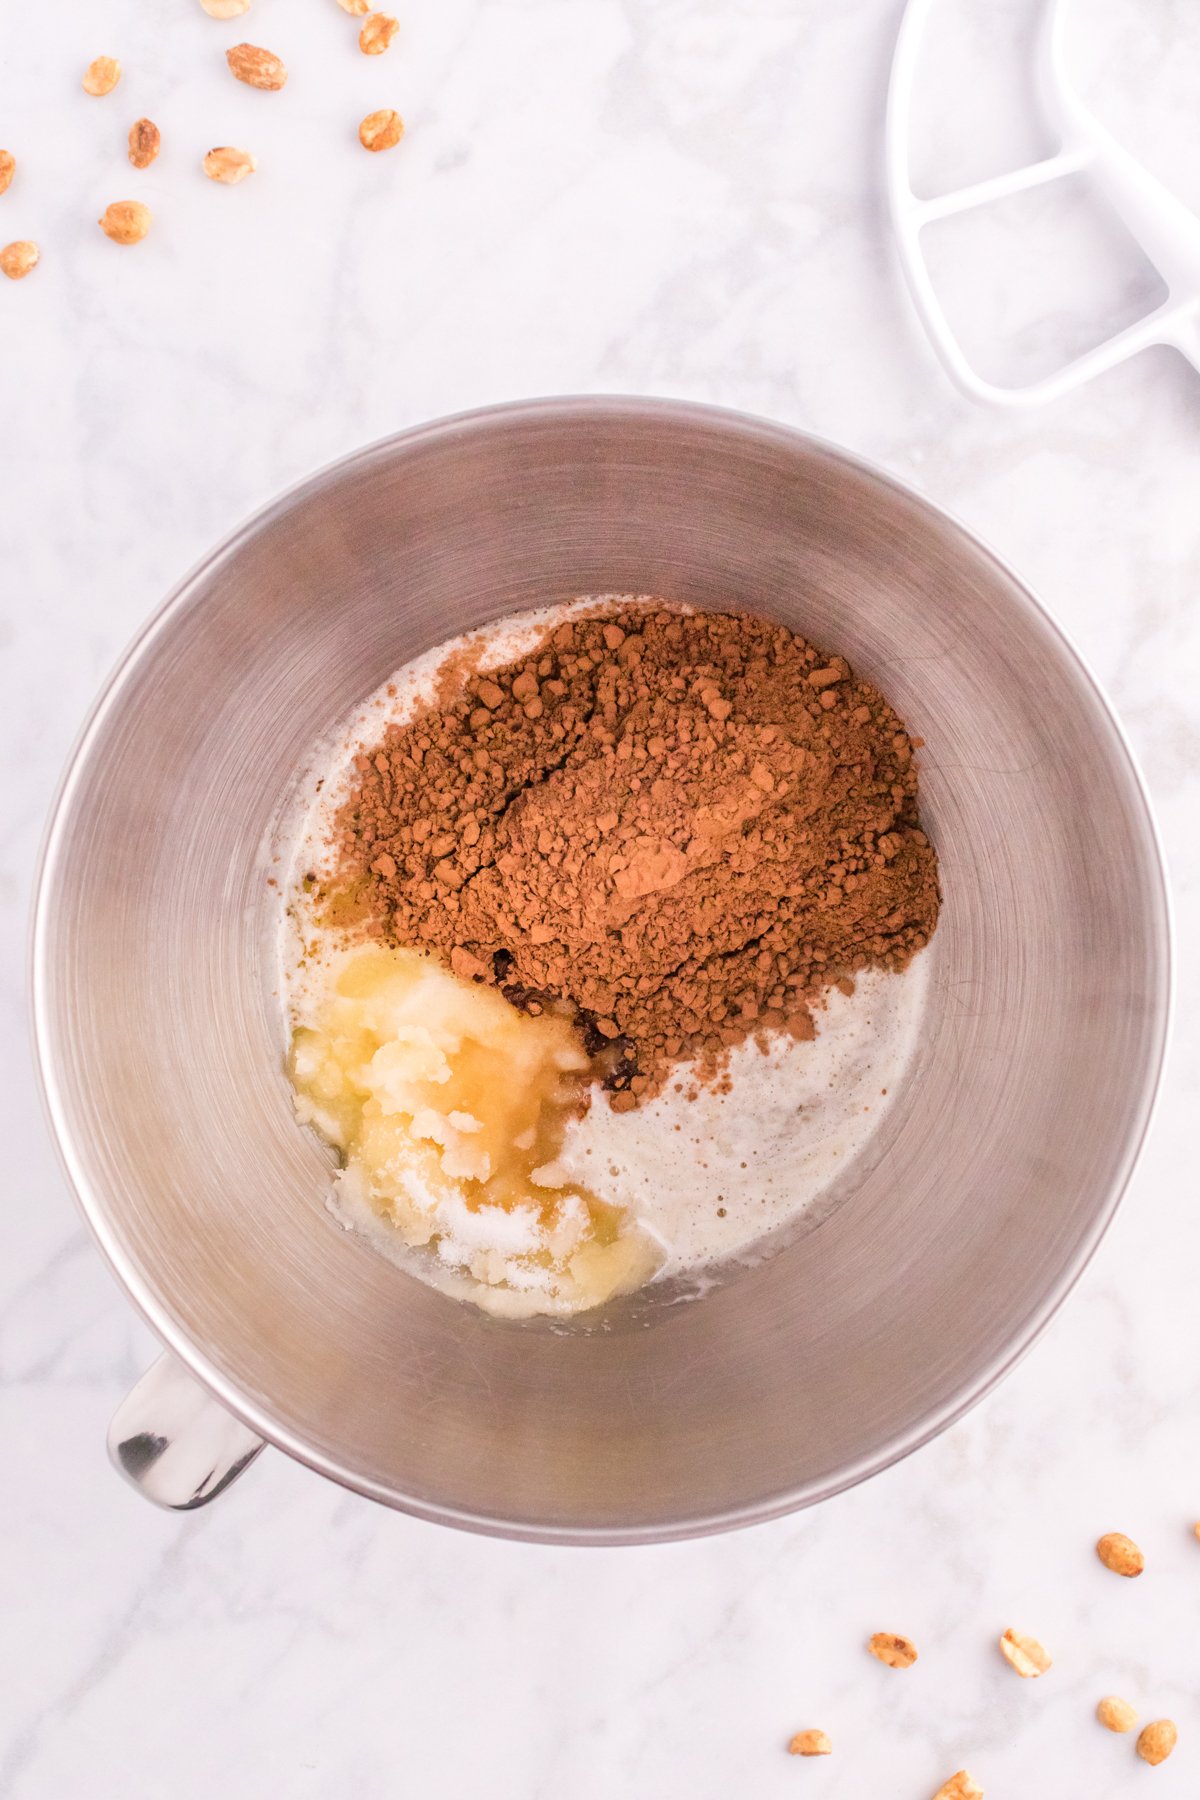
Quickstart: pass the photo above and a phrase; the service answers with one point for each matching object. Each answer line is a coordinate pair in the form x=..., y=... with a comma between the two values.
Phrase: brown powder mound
x=685, y=825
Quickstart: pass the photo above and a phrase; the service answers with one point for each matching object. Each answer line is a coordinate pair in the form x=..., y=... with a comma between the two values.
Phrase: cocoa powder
x=685, y=826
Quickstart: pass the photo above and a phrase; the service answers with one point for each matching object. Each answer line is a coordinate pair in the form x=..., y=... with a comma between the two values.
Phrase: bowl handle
x=175, y=1443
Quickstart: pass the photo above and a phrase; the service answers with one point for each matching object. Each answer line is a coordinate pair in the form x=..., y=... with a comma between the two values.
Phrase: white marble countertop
x=670, y=196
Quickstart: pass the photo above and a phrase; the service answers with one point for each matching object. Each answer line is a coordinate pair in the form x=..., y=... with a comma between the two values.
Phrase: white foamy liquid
x=711, y=1177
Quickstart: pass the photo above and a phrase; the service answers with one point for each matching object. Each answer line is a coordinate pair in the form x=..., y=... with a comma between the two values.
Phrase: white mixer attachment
x=1167, y=231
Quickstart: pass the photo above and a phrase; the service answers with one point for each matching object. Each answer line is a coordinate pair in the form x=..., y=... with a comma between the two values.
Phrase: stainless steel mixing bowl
x=161, y=1043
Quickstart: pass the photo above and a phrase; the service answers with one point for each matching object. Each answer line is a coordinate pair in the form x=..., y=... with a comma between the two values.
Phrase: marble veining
x=670, y=196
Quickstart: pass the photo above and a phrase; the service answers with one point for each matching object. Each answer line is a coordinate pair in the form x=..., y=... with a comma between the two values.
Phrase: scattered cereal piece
x=890, y=1648
x=228, y=165
x=377, y=33
x=810, y=1743
x=19, y=259
x=1195, y=1528
x=1157, y=1740
x=225, y=9
x=145, y=142
x=257, y=68
x=381, y=130
x=357, y=7
x=1120, y=1554
x=1116, y=1714
x=126, y=221
x=101, y=76
x=8, y=168
x=959, y=1787
x=1024, y=1654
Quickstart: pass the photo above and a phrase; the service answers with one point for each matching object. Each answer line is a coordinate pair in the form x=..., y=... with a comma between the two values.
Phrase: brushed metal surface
x=161, y=1043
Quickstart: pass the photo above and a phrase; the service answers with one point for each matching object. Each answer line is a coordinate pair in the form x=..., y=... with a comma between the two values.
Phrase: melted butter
x=450, y=1109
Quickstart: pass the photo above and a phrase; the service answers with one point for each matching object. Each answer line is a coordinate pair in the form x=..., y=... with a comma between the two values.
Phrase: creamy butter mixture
x=450, y=1108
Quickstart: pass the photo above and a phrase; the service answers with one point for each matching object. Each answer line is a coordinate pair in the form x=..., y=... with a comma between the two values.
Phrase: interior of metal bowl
x=162, y=1042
